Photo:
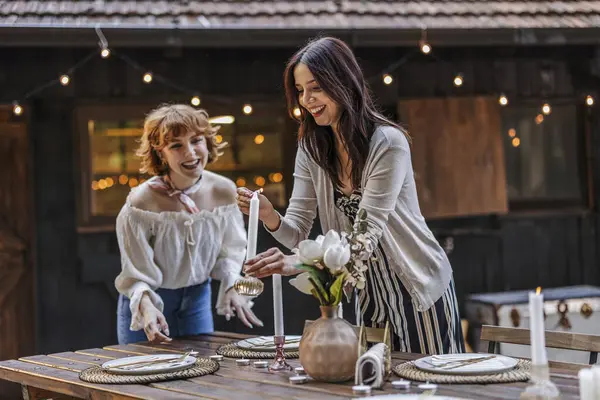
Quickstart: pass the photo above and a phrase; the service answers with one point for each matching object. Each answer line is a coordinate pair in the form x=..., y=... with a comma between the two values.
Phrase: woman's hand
x=272, y=261
x=240, y=304
x=155, y=323
x=266, y=211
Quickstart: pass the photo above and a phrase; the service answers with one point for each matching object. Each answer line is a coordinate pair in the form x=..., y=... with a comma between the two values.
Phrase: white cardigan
x=389, y=196
x=173, y=250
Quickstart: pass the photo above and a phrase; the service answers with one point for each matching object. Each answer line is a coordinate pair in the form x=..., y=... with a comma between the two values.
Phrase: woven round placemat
x=96, y=374
x=230, y=350
x=408, y=371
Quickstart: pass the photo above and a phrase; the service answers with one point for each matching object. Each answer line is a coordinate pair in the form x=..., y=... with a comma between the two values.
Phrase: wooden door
x=17, y=312
x=457, y=155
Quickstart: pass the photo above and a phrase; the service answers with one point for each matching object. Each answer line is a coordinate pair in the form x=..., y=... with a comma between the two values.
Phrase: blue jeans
x=187, y=311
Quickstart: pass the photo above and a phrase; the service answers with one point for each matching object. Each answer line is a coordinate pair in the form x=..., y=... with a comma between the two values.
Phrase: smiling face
x=186, y=156
x=313, y=98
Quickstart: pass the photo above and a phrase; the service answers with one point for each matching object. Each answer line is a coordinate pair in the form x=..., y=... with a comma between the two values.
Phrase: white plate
x=265, y=343
x=167, y=365
x=495, y=365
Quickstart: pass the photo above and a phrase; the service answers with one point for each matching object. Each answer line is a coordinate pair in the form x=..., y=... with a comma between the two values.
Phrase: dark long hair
x=337, y=72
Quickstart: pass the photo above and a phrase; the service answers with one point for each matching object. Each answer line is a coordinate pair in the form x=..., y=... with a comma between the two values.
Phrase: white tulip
x=331, y=239
x=336, y=257
x=320, y=239
x=302, y=283
x=309, y=252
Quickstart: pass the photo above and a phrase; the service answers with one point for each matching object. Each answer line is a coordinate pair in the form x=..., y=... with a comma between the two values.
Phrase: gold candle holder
x=249, y=286
x=279, y=363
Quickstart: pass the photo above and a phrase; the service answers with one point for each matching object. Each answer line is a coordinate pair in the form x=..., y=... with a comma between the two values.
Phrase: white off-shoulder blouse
x=173, y=250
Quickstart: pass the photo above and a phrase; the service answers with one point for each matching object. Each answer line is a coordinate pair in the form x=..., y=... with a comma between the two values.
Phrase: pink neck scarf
x=165, y=185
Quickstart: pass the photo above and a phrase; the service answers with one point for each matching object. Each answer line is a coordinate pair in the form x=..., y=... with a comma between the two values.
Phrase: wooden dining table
x=56, y=376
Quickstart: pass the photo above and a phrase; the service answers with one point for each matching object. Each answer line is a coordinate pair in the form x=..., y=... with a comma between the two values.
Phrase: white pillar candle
x=536, y=328
x=252, y=226
x=586, y=384
x=596, y=379
x=277, y=305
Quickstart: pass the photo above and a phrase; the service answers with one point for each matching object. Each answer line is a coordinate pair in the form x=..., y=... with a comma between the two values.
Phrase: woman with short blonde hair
x=177, y=231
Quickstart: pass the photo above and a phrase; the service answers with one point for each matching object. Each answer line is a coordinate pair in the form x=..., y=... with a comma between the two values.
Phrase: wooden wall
x=75, y=271
x=457, y=155
x=17, y=317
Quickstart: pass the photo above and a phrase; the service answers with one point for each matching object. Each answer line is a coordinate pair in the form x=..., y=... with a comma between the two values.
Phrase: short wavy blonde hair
x=170, y=121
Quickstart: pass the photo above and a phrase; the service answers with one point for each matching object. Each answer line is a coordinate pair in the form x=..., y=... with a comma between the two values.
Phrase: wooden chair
x=554, y=339
x=465, y=330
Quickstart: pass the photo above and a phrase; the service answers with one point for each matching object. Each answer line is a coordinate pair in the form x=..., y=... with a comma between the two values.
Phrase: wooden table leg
x=33, y=393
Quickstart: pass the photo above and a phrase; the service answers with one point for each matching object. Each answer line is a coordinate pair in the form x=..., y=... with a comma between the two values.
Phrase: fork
x=138, y=364
x=460, y=363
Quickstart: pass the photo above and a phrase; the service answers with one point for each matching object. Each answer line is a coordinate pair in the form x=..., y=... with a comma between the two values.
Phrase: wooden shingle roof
x=325, y=14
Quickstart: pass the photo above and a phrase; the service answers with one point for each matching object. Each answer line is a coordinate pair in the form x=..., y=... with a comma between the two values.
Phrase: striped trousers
x=435, y=331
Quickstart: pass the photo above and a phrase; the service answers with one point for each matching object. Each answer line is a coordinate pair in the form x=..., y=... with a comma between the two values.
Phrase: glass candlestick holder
x=542, y=388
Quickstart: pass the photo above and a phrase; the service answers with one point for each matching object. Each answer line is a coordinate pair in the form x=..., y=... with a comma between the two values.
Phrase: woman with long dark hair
x=351, y=157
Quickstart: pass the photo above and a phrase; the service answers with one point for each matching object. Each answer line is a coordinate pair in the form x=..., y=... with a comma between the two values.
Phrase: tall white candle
x=596, y=378
x=536, y=328
x=252, y=226
x=277, y=305
x=586, y=384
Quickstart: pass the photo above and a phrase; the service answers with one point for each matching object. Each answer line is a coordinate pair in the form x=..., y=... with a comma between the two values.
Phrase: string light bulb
x=546, y=109
x=241, y=181
x=105, y=53
x=148, y=77
x=589, y=100
x=458, y=80
x=259, y=139
x=297, y=112
x=247, y=109
x=539, y=119
x=425, y=47
x=387, y=79
x=195, y=101
x=276, y=177
x=516, y=142
x=17, y=109
x=259, y=181
x=64, y=80
x=133, y=182
x=503, y=100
